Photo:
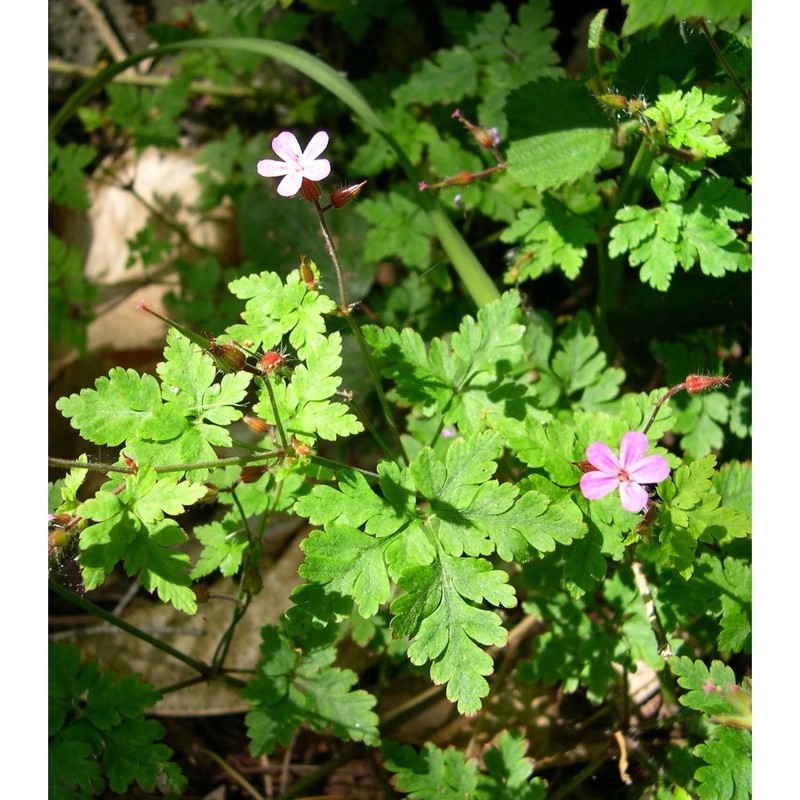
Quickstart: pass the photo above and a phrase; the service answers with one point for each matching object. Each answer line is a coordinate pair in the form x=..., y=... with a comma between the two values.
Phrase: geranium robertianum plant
x=471, y=526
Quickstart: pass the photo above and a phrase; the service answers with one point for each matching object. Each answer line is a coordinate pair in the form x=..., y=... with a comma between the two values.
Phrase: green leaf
x=130, y=527
x=688, y=228
x=66, y=178
x=399, y=229
x=275, y=308
x=297, y=683
x=224, y=544
x=110, y=727
x=462, y=498
x=348, y=562
x=728, y=775
x=303, y=405
x=539, y=522
x=557, y=133
x=452, y=75
x=644, y=13
x=431, y=774
x=508, y=771
x=467, y=384
x=115, y=409
x=447, y=629
x=550, y=237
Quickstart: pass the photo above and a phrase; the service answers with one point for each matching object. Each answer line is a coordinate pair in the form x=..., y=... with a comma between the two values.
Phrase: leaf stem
x=204, y=669
x=724, y=62
x=98, y=466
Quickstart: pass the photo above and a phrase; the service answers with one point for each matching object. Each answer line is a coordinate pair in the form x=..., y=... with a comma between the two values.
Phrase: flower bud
x=57, y=540
x=256, y=424
x=614, y=101
x=227, y=357
x=310, y=190
x=252, y=473
x=58, y=520
x=341, y=197
x=306, y=273
x=702, y=383
x=459, y=179
x=301, y=448
x=484, y=138
x=272, y=361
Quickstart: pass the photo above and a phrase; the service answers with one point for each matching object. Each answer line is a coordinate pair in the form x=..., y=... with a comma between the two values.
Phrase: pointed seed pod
x=341, y=197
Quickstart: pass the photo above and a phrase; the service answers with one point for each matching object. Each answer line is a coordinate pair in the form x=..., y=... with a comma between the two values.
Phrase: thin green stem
x=326, y=235
x=376, y=382
x=204, y=669
x=63, y=463
x=278, y=423
x=336, y=466
x=373, y=431
x=724, y=62
x=356, y=329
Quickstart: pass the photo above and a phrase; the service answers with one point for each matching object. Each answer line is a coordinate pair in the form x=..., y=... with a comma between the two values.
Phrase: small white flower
x=295, y=163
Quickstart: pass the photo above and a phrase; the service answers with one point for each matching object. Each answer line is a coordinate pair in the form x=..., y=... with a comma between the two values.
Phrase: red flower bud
x=702, y=383
x=300, y=448
x=341, y=197
x=460, y=179
x=252, y=473
x=584, y=466
x=272, y=361
x=256, y=424
x=310, y=190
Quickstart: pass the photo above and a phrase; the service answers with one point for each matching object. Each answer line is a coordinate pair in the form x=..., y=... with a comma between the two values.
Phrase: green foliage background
x=433, y=437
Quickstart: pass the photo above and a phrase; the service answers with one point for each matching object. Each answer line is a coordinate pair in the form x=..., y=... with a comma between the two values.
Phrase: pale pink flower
x=626, y=473
x=296, y=164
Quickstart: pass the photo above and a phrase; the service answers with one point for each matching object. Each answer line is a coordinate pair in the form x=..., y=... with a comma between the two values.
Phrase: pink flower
x=295, y=163
x=626, y=473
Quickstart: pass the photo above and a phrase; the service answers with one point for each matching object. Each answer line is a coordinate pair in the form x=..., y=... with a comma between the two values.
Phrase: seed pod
x=341, y=197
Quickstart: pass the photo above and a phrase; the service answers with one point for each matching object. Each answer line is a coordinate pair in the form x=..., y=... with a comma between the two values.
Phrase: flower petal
x=286, y=146
x=652, y=469
x=290, y=185
x=633, y=446
x=595, y=485
x=269, y=168
x=601, y=457
x=633, y=496
x=319, y=141
x=317, y=170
